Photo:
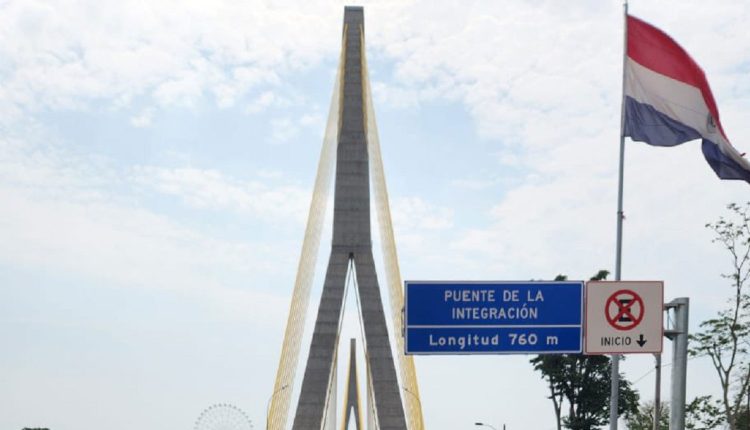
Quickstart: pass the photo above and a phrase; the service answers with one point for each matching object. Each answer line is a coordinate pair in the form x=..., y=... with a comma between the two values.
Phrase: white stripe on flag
x=682, y=102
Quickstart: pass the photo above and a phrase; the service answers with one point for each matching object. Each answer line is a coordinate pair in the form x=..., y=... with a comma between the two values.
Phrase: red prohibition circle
x=624, y=318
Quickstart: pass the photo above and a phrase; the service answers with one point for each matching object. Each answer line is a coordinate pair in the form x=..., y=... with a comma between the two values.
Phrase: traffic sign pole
x=615, y=376
x=679, y=338
x=657, y=392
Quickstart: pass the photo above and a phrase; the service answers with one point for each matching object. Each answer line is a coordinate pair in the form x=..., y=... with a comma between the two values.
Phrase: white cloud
x=284, y=129
x=210, y=189
x=65, y=55
x=261, y=102
x=474, y=184
x=312, y=120
x=395, y=95
x=276, y=99
x=143, y=119
x=67, y=218
x=410, y=213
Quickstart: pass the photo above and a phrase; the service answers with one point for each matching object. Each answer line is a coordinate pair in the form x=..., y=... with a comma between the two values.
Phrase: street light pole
x=268, y=407
x=487, y=425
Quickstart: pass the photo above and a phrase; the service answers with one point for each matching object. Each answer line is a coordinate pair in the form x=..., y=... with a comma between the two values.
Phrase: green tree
x=643, y=417
x=700, y=414
x=742, y=419
x=703, y=413
x=583, y=381
x=724, y=338
x=552, y=369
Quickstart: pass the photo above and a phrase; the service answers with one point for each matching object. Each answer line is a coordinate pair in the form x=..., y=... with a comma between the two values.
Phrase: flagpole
x=615, y=376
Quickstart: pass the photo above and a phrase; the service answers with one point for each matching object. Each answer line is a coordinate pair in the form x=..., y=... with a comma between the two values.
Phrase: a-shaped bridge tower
x=351, y=139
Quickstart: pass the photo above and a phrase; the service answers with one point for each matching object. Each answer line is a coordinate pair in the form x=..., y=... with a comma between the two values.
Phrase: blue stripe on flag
x=725, y=167
x=643, y=123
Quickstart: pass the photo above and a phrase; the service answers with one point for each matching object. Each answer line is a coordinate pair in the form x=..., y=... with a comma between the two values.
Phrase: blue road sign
x=493, y=317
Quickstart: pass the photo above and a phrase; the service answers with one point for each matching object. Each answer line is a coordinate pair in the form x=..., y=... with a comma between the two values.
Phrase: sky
x=157, y=161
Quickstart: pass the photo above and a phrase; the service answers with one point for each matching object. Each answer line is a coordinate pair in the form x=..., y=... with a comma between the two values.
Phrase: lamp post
x=268, y=407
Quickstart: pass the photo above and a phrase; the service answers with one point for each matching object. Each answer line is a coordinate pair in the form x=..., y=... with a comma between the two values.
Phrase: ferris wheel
x=223, y=416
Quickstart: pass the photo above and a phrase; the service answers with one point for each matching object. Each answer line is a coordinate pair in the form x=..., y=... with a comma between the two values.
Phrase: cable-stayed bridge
x=351, y=157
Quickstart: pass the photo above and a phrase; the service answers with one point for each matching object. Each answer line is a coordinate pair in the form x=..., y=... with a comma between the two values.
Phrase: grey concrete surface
x=351, y=242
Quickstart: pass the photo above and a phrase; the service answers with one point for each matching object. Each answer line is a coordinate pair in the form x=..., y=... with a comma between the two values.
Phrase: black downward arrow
x=641, y=341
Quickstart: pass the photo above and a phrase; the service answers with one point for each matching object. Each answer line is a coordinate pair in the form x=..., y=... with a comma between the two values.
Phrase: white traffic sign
x=624, y=317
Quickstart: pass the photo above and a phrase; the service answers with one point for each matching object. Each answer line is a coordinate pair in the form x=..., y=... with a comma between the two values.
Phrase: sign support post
x=657, y=391
x=679, y=337
x=614, y=397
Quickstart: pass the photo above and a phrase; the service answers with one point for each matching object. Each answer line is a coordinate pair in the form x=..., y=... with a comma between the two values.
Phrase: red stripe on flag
x=655, y=50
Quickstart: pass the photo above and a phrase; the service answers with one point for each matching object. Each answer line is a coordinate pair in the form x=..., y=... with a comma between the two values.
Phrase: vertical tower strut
x=351, y=399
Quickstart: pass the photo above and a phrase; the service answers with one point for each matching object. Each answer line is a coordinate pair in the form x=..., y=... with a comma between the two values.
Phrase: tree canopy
x=583, y=382
x=724, y=338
